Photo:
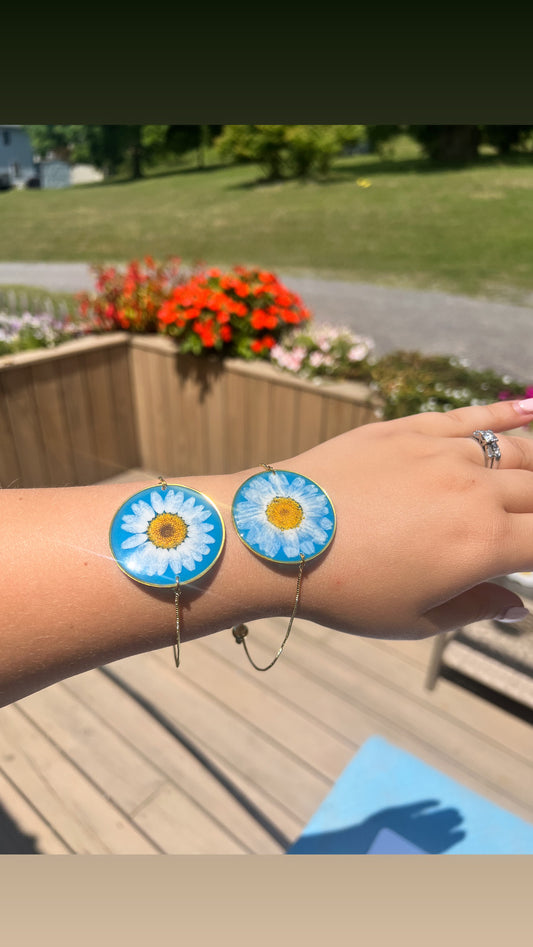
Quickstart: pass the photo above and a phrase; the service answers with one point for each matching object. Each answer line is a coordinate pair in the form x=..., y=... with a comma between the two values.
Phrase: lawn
x=466, y=230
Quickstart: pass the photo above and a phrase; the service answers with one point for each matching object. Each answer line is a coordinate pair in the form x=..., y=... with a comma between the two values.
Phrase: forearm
x=68, y=607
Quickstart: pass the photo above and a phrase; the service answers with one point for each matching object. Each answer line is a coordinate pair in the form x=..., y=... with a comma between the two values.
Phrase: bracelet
x=167, y=536
x=287, y=519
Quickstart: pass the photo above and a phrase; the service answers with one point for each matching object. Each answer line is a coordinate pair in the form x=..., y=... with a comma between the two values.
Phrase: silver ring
x=488, y=442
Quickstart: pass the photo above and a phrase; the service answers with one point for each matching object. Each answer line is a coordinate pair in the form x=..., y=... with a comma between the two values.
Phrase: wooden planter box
x=91, y=409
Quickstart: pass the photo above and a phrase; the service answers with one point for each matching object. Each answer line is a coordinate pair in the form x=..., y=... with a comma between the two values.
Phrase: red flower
x=258, y=345
x=239, y=309
x=263, y=320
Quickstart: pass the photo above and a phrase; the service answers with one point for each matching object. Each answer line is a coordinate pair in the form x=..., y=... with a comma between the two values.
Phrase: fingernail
x=525, y=407
x=515, y=613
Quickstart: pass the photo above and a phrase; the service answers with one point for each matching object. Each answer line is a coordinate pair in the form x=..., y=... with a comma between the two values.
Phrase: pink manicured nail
x=525, y=407
x=515, y=613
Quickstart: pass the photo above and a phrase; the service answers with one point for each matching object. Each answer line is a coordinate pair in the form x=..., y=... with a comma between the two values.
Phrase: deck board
x=215, y=758
x=65, y=798
x=181, y=767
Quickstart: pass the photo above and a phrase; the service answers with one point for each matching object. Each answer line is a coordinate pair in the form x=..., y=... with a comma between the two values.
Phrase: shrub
x=409, y=383
x=241, y=313
x=130, y=298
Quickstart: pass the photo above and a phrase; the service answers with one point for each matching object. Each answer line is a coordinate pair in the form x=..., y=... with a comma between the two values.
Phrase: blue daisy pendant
x=283, y=516
x=167, y=533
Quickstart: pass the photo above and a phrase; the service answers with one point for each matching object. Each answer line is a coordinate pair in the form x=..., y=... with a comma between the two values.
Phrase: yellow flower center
x=167, y=530
x=284, y=512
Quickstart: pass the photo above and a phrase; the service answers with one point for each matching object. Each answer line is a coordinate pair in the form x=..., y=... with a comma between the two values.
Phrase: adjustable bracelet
x=287, y=519
x=167, y=536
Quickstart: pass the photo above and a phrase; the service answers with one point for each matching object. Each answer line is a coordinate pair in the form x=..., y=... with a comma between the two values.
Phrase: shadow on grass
x=152, y=176
x=345, y=170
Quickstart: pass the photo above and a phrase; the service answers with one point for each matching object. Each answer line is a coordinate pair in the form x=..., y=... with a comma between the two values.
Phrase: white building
x=17, y=165
x=19, y=168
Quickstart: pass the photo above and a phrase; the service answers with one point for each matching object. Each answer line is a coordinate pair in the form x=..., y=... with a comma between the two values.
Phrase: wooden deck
x=139, y=758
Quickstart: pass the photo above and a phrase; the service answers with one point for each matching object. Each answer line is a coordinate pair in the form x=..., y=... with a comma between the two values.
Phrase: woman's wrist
x=240, y=587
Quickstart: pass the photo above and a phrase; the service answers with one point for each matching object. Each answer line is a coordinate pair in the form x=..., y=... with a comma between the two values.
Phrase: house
x=17, y=165
x=19, y=168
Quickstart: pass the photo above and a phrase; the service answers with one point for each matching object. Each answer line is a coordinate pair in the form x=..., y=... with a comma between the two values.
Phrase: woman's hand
x=422, y=523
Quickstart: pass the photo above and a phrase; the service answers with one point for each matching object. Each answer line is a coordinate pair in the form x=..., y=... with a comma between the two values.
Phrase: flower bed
x=248, y=314
x=209, y=372
x=34, y=331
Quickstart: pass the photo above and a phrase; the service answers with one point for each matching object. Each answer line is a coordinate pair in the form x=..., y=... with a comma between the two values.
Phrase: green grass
x=464, y=230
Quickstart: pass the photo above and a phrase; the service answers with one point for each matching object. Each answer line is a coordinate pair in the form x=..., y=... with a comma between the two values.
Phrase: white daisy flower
x=167, y=531
x=281, y=515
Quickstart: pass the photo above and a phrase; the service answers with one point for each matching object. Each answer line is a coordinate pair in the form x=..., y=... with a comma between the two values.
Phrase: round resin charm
x=281, y=515
x=162, y=534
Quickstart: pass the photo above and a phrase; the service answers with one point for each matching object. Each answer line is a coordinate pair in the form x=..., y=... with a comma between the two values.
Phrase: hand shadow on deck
x=12, y=840
x=433, y=832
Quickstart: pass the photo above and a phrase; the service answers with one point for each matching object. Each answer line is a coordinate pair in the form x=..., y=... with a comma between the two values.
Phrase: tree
x=453, y=144
x=260, y=144
x=506, y=137
x=66, y=142
x=287, y=150
x=112, y=148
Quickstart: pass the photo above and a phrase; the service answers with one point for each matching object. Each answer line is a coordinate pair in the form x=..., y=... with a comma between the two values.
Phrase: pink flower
x=316, y=359
x=358, y=352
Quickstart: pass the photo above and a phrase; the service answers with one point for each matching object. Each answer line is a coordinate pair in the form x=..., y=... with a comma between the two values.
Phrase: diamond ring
x=488, y=442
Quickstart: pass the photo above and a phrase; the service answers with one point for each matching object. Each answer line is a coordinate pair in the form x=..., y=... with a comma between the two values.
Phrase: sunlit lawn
x=466, y=231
